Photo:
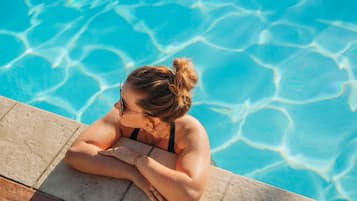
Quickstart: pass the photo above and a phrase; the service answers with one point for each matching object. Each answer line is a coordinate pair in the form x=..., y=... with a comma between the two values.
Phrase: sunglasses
x=123, y=109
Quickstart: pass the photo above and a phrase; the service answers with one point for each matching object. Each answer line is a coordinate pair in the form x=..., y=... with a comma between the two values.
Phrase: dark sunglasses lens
x=121, y=106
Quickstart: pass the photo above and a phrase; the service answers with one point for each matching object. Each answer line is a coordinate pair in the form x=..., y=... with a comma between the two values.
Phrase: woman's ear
x=151, y=124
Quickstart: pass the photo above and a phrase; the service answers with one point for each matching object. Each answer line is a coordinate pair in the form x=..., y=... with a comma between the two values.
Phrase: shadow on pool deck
x=34, y=142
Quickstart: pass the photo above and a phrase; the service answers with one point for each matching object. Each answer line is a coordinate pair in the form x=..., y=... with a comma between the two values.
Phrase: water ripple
x=277, y=92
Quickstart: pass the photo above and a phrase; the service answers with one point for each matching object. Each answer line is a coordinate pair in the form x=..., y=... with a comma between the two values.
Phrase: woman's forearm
x=172, y=184
x=85, y=158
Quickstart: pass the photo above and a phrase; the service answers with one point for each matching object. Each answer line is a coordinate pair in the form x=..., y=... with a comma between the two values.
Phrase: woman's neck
x=162, y=130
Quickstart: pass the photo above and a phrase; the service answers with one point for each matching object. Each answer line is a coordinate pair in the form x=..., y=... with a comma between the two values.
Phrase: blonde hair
x=167, y=93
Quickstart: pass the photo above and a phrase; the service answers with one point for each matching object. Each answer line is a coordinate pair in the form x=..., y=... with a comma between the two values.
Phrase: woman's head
x=161, y=92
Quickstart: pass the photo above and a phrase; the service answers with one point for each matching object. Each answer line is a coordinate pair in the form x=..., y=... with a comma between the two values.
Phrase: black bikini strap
x=134, y=134
x=171, y=147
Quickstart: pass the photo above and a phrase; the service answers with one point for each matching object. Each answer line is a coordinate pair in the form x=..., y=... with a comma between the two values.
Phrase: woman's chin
x=123, y=123
x=128, y=124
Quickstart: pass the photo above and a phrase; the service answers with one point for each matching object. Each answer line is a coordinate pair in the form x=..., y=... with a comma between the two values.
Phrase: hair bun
x=185, y=74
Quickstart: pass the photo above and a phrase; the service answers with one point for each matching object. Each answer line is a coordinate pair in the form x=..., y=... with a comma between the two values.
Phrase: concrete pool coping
x=33, y=143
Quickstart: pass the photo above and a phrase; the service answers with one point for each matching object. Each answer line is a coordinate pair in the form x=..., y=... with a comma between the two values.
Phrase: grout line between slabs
x=55, y=157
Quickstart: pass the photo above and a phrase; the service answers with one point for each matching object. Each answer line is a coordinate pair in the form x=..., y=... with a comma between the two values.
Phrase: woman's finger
x=157, y=195
x=151, y=196
x=103, y=152
x=106, y=153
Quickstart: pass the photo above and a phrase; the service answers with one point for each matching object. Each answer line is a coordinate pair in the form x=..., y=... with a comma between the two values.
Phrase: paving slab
x=134, y=145
x=164, y=157
x=56, y=162
x=13, y=191
x=69, y=184
x=242, y=189
x=5, y=105
x=30, y=139
x=135, y=194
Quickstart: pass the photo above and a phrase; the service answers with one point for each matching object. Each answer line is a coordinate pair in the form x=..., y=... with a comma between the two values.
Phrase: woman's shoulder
x=189, y=129
x=189, y=123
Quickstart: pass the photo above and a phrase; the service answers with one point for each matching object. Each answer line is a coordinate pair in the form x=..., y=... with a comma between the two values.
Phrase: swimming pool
x=277, y=92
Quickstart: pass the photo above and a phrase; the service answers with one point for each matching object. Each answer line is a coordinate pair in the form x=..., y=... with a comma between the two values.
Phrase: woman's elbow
x=69, y=157
x=72, y=154
x=193, y=197
x=193, y=194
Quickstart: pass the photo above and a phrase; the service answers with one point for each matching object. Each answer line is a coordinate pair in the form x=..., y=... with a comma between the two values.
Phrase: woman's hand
x=122, y=153
x=130, y=157
x=148, y=189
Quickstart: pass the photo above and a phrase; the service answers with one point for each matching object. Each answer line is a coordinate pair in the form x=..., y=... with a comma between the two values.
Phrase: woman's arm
x=188, y=180
x=85, y=158
x=83, y=154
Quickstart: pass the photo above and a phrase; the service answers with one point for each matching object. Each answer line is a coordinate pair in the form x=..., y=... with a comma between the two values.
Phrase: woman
x=152, y=109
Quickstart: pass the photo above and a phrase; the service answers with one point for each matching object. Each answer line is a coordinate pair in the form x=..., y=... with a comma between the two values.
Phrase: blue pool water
x=277, y=91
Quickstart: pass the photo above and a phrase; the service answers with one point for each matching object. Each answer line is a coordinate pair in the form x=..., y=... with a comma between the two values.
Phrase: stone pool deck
x=33, y=143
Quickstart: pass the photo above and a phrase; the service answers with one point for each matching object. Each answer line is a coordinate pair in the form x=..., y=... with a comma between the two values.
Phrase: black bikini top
x=171, y=146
